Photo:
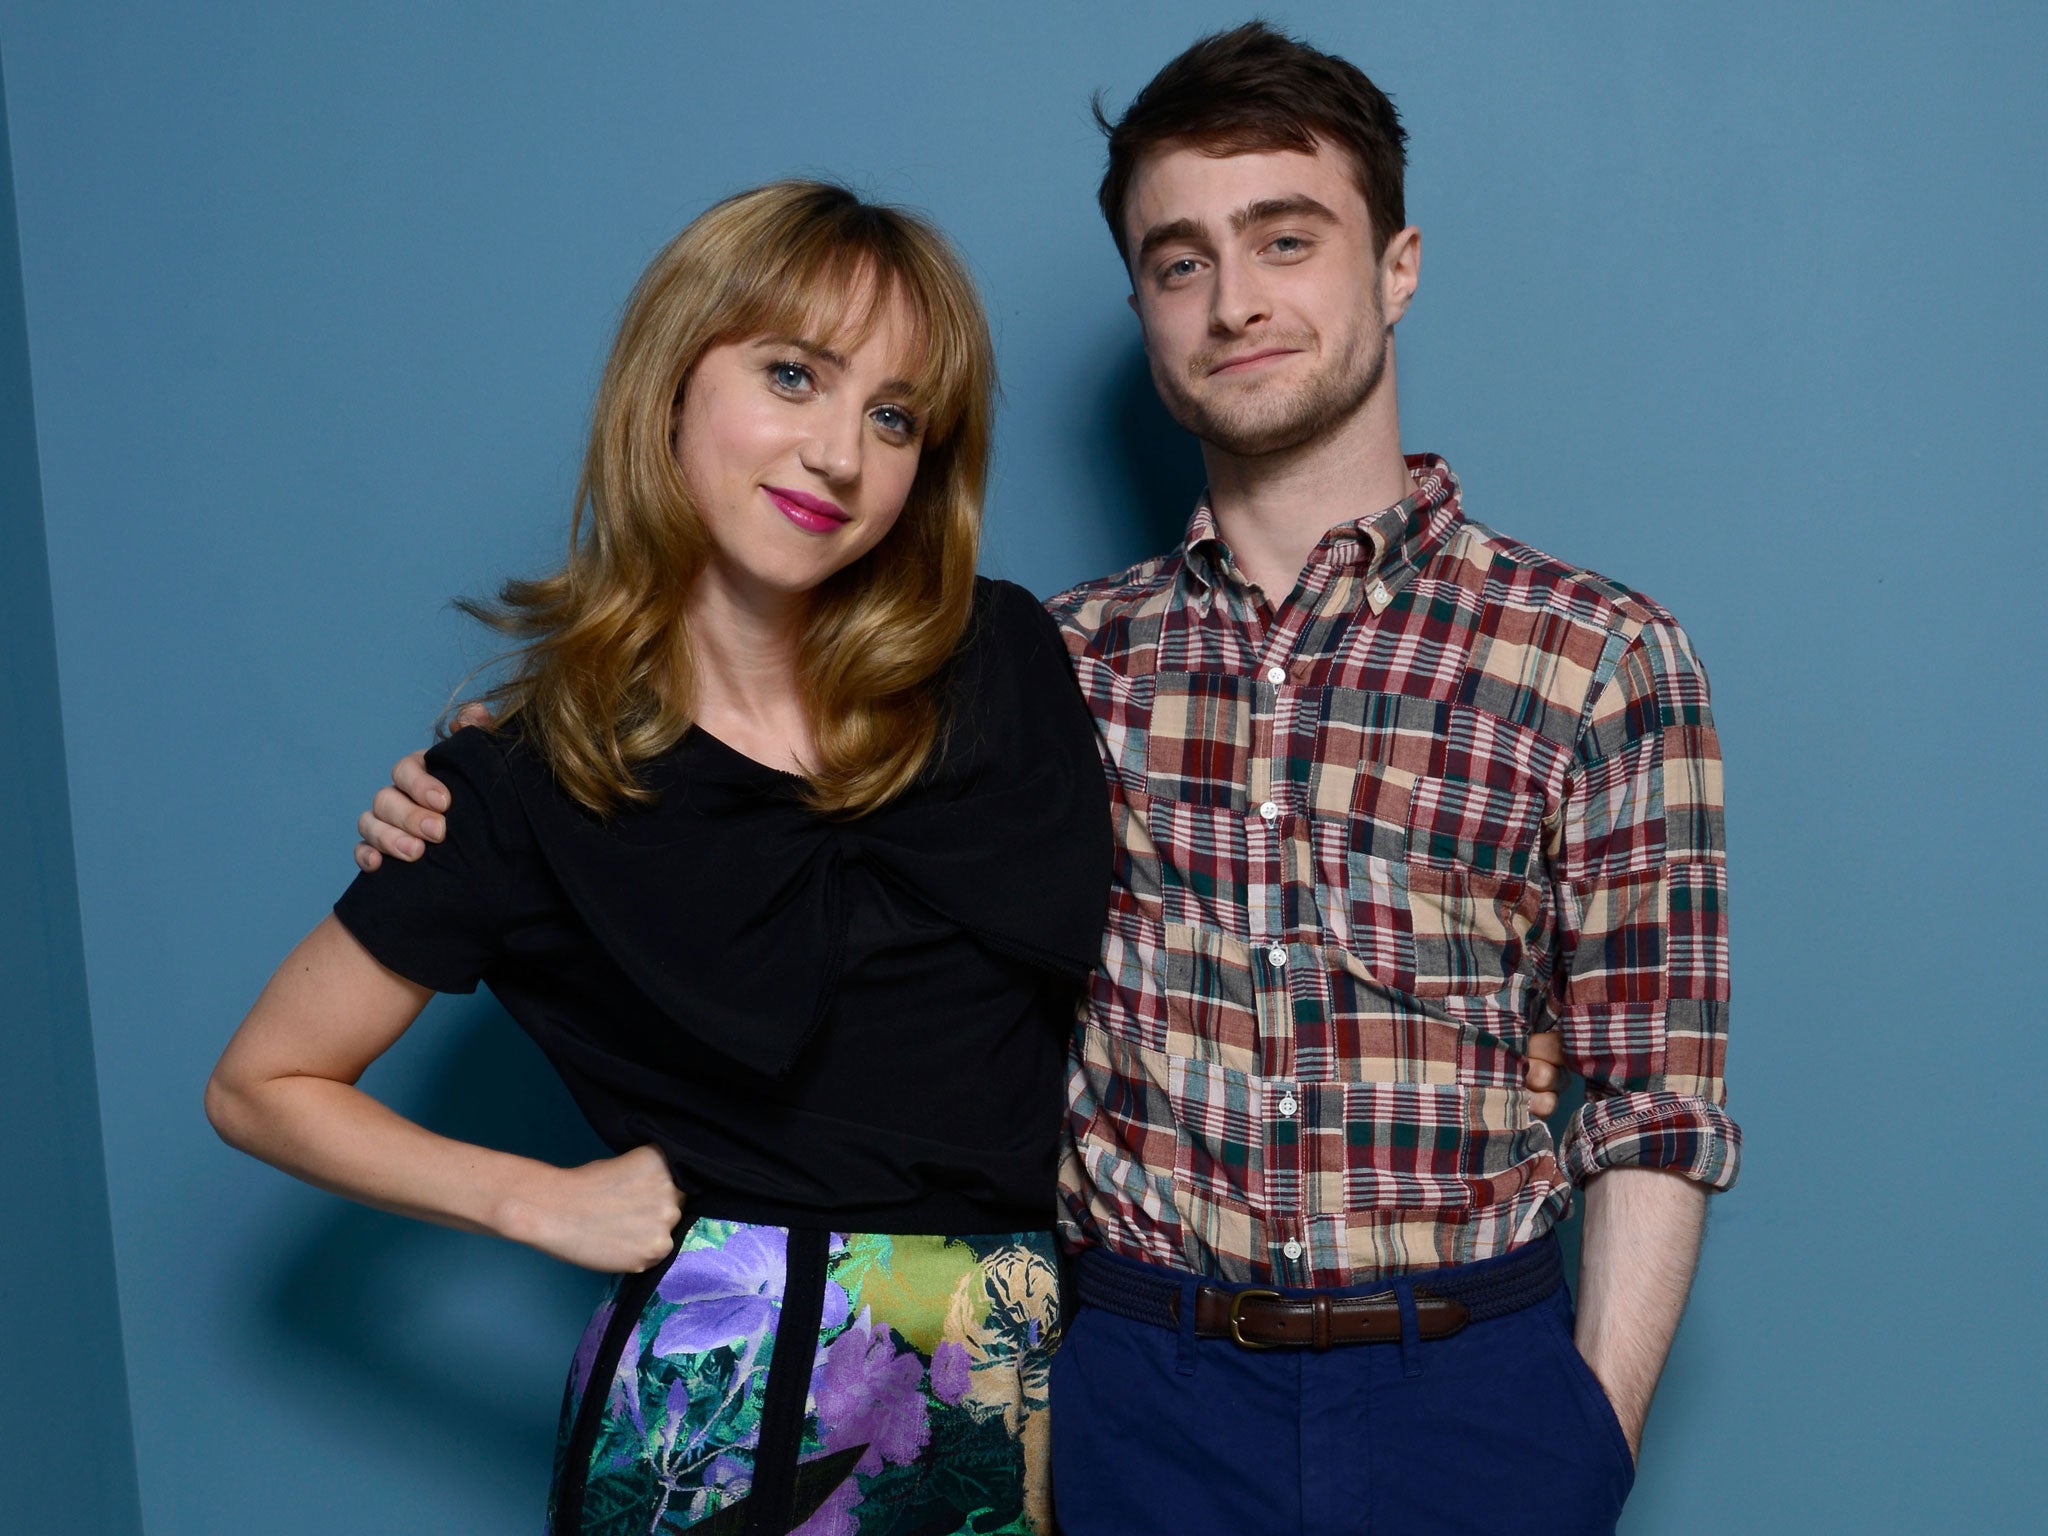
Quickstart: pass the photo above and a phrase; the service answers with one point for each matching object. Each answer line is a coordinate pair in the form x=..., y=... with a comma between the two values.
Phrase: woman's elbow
x=228, y=1109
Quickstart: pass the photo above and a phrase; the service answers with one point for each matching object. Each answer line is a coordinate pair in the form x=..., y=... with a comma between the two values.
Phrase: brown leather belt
x=1259, y=1317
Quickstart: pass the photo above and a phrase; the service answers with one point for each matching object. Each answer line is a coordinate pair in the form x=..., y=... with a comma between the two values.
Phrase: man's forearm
x=1636, y=1261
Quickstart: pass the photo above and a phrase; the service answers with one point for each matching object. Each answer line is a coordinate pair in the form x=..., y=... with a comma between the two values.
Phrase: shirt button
x=1276, y=674
x=1287, y=1105
x=1269, y=810
x=1277, y=954
x=1291, y=1248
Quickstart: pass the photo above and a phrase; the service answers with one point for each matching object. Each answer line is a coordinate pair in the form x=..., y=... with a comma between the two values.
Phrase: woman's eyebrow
x=816, y=349
x=825, y=354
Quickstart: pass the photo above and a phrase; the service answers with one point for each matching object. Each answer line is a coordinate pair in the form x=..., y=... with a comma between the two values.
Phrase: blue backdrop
x=1742, y=304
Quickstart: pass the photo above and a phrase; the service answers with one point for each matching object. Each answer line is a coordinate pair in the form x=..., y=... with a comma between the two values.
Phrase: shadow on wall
x=1152, y=469
x=449, y=1343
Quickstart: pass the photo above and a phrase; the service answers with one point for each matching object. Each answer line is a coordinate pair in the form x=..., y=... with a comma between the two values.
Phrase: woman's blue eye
x=895, y=419
x=789, y=375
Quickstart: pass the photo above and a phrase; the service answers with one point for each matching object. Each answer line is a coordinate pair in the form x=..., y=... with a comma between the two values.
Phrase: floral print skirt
x=766, y=1380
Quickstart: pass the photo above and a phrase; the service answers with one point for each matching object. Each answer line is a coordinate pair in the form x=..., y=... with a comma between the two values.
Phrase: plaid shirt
x=1450, y=793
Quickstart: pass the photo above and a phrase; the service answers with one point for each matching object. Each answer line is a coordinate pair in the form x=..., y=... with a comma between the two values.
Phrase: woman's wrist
x=520, y=1209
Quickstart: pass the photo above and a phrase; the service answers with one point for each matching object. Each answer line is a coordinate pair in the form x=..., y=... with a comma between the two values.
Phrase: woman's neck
x=743, y=654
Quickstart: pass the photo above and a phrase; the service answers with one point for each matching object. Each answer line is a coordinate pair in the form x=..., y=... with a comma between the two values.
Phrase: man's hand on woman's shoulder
x=405, y=814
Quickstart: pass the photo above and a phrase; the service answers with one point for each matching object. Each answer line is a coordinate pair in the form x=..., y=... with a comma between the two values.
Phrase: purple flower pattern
x=868, y=1391
x=725, y=1295
x=952, y=1372
x=683, y=1413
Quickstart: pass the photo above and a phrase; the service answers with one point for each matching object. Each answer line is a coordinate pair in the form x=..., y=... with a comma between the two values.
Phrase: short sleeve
x=439, y=920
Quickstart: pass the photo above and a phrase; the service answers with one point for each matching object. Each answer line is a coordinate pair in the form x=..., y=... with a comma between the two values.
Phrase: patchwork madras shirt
x=1451, y=792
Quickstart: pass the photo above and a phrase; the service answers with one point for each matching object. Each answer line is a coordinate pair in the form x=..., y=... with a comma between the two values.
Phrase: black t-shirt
x=858, y=1024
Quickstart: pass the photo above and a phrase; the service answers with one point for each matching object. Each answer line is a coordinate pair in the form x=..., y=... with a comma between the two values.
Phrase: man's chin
x=1258, y=419
x=1253, y=435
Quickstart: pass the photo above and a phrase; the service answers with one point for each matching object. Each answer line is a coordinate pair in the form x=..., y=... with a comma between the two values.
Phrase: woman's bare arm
x=284, y=1091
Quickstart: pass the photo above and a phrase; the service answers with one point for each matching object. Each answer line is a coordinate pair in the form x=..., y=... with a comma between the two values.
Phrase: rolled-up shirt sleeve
x=1640, y=985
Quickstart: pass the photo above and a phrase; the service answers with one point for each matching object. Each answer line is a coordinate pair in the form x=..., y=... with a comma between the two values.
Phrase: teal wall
x=1743, y=304
x=67, y=1457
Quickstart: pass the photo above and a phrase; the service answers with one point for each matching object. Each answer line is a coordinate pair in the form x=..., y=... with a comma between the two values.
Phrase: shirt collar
x=1392, y=543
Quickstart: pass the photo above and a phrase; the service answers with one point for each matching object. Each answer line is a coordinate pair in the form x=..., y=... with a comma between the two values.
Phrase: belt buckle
x=1237, y=1301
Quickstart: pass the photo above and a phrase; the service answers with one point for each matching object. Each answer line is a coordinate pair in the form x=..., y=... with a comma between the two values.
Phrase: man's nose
x=1238, y=299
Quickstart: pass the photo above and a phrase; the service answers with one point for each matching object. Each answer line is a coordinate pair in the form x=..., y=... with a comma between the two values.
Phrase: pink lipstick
x=813, y=514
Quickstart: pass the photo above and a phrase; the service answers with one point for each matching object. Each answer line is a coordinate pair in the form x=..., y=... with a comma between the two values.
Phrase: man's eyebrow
x=1298, y=206
x=1173, y=229
x=1267, y=209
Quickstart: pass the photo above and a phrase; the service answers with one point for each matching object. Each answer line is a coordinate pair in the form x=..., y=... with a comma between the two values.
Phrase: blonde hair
x=603, y=678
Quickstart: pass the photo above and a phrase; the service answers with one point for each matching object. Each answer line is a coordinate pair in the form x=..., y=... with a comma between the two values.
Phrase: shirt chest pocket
x=1444, y=909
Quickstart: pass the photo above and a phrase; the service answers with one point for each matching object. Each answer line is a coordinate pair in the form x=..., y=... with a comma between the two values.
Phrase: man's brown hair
x=1254, y=90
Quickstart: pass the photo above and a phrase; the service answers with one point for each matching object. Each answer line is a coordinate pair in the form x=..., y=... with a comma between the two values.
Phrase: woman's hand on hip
x=617, y=1215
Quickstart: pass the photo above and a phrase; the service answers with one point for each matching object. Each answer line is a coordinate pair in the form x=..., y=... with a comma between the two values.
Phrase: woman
x=790, y=850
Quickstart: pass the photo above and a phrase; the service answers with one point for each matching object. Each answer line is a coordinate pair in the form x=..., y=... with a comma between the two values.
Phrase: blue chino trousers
x=1499, y=1429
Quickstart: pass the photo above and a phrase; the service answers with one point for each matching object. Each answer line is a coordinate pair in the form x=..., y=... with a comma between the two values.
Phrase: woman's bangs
x=951, y=365
x=832, y=293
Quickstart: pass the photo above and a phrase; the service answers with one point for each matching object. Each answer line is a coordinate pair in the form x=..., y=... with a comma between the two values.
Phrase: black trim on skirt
x=769, y=1508
x=771, y=1503
x=627, y=1305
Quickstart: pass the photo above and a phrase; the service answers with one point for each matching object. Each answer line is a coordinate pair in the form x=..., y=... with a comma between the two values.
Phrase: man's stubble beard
x=1265, y=422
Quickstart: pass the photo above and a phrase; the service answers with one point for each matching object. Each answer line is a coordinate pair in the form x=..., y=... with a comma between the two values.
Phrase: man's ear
x=1400, y=272
x=1132, y=300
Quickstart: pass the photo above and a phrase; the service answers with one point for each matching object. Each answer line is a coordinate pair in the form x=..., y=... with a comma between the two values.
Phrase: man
x=1396, y=798
x=1392, y=794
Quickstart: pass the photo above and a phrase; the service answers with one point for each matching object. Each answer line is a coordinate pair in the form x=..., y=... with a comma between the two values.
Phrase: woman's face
x=799, y=457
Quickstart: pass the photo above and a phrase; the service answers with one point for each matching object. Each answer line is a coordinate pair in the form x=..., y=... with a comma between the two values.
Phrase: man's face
x=1264, y=309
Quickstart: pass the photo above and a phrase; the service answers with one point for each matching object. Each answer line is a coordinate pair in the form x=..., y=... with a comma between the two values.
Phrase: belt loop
x=1184, y=1359
x=1411, y=1330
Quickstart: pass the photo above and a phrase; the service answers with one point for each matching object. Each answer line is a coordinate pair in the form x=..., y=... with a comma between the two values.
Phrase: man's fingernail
x=432, y=826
